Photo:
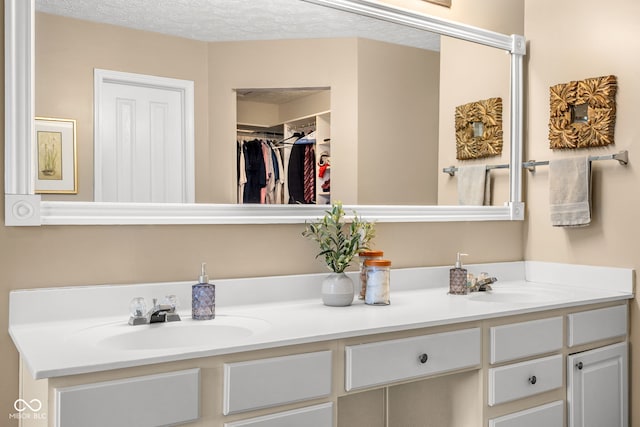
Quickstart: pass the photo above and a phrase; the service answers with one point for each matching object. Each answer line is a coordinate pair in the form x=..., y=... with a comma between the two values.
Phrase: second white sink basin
x=187, y=333
x=515, y=295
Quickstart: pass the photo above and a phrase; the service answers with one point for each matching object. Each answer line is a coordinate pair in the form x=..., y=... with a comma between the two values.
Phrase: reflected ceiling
x=229, y=20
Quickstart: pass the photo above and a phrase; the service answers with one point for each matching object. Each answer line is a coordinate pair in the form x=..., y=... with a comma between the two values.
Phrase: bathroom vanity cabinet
x=502, y=372
x=545, y=360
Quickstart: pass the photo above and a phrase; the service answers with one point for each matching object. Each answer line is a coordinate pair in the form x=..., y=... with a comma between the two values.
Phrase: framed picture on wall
x=56, y=156
x=446, y=3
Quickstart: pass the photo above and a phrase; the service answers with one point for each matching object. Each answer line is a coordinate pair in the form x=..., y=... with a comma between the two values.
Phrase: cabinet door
x=597, y=387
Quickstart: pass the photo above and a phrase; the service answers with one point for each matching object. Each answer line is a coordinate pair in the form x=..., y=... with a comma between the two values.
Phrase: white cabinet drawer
x=518, y=340
x=524, y=379
x=311, y=416
x=394, y=360
x=153, y=400
x=276, y=381
x=594, y=325
x=549, y=415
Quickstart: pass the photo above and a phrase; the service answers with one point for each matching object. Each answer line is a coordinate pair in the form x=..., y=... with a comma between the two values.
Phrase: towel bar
x=451, y=170
x=622, y=157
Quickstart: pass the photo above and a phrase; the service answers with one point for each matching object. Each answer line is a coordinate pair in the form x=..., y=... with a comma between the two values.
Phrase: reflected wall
x=384, y=101
x=67, y=51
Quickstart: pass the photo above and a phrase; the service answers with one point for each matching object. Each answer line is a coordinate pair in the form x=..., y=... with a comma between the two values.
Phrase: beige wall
x=306, y=106
x=374, y=113
x=64, y=79
x=470, y=73
x=601, y=39
x=395, y=113
x=77, y=255
x=398, y=90
x=503, y=16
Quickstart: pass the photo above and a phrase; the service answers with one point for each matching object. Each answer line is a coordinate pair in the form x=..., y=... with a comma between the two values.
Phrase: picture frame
x=56, y=159
x=582, y=113
x=479, y=129
x=446, y=3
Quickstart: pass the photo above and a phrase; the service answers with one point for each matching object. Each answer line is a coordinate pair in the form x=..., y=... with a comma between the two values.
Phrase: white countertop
x=65, y=331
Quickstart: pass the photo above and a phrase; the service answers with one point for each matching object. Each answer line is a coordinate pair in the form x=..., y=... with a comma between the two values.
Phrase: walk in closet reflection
x=289, y=162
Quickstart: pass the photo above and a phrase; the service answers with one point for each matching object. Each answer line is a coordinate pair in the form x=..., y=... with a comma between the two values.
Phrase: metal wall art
x=479, y=129
x=582, y=113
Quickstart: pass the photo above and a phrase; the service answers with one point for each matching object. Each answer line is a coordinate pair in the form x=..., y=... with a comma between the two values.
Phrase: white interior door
x=143, y=138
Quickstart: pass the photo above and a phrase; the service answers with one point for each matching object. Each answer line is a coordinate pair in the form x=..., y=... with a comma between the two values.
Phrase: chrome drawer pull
x=533, y=379
x=423, y=358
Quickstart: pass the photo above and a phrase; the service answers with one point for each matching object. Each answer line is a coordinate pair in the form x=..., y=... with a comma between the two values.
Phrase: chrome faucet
x=164, y=312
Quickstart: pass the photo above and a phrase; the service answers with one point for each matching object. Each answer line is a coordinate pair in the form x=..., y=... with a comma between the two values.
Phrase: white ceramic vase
x=337, y=290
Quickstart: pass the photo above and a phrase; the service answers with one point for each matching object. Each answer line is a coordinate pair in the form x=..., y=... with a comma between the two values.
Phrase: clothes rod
x=622, y=157
x=451, y=170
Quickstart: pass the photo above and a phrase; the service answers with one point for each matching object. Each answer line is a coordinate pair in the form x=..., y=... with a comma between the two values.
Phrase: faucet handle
x=137, y=307
x=137, y=311
x=171, y=300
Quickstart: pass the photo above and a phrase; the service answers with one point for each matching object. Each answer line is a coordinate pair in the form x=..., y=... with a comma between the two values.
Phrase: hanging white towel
x=570, y=192
x=473, y=185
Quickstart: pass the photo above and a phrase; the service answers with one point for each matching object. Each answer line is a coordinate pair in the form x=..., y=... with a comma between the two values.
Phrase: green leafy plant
x=339, y=242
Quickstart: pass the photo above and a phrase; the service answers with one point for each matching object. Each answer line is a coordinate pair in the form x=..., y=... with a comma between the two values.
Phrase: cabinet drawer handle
x=423, y=358
x=533, y=379
x=579, y=365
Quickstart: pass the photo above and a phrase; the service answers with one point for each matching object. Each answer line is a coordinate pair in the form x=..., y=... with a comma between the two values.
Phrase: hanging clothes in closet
x=255, y=170
x=260, y=172
x=301, y=171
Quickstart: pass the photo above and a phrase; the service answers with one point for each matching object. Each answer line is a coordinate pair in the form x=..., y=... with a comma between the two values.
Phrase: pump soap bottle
x=458, y=278
x=203, y=297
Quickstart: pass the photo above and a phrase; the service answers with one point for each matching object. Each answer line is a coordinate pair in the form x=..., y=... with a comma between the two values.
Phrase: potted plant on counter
x=339, y=243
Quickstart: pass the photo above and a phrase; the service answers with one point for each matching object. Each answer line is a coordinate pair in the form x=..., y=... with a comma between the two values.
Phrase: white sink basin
x=514, y=295
x=187, y=333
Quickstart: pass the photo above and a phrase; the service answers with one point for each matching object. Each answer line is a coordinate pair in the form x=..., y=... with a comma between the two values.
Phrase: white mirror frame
x=24, y=208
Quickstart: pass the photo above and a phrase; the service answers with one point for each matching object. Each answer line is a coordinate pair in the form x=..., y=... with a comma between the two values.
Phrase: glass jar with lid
x=365, y=255
x=378, y=272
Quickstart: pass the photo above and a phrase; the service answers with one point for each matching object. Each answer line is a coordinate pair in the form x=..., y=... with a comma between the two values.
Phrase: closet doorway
x=284, y=146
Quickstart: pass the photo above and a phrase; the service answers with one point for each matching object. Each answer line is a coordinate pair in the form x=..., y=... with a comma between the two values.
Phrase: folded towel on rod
x=474, y=185
x=570, y=192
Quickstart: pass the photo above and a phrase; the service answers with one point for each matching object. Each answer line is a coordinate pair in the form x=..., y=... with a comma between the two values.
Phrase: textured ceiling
x=228, y=20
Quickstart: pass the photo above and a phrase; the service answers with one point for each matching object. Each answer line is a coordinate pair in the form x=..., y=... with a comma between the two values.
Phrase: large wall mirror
x=376, y=85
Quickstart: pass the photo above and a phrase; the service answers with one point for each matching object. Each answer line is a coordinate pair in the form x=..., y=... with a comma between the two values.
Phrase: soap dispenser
x=458, y=277
x=203, y=297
